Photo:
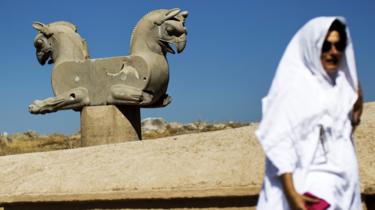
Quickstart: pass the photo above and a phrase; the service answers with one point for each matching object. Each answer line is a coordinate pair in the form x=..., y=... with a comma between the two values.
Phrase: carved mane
x=145, y=17
x=67, y=31
x=64, y=23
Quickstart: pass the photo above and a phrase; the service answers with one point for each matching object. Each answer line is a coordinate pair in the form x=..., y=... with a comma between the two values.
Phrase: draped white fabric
x=302, y=103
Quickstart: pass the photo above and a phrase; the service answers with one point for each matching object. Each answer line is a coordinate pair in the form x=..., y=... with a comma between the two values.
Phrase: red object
x=320, y=205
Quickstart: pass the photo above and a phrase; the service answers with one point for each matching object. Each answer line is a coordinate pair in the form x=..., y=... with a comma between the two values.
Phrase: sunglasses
x=327, y=46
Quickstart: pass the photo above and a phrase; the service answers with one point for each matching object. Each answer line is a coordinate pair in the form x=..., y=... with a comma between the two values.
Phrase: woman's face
x=332, y=52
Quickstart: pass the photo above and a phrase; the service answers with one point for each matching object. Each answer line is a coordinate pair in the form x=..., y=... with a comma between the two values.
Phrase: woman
x=306, y=130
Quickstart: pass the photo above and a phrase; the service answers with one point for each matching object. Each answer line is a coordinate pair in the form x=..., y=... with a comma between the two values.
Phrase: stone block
x=214, y=170
x=109, y=124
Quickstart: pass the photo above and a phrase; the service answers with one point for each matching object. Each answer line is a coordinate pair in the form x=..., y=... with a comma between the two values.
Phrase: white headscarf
x=303, y=96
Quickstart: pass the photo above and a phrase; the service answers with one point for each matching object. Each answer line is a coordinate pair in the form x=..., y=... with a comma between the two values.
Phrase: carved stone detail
x=139, y=79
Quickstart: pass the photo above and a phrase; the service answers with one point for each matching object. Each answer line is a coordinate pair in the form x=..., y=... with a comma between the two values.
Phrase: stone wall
x=213, y=170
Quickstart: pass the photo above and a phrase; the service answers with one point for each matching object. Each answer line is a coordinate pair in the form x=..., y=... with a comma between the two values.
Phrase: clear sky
x=231, y=55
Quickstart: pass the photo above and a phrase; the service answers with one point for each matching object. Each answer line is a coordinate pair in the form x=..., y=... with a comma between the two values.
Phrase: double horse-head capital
x=138, y=79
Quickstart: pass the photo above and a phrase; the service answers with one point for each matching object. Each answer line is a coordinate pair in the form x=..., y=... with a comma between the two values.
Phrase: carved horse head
x=159, y=28
x=72, y=82
x=58, y=42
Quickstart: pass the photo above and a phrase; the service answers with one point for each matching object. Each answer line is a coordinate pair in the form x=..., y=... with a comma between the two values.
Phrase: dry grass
x=30, y=141
x=25, y=144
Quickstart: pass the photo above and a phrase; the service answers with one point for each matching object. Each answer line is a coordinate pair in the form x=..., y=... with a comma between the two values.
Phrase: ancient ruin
x=121, y=84
x=139, y=79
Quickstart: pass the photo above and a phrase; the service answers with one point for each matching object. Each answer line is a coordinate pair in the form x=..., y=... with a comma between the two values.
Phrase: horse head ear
x=43, y=28
x=170, y=14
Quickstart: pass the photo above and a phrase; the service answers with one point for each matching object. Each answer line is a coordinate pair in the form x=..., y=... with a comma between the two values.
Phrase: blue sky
x=232, y=52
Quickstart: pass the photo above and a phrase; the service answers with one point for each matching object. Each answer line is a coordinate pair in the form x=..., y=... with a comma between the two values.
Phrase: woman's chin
x=331, y=68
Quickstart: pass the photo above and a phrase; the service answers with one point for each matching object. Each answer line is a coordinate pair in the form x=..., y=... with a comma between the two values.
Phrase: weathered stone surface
x=190, y=166
x=109, y=124
x=154, y=124
x=139, y=79
x=221, y=164
x=157, y=127
x=365, y=146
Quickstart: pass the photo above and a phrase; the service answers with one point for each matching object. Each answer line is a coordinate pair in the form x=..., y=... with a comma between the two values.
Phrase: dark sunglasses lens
x=326, y=46
x=340, y=46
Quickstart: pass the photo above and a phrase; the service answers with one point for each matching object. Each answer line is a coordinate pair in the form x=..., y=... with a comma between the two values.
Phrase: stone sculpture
x=139, y=79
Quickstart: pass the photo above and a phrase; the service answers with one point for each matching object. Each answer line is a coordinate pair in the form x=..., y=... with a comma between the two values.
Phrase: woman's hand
x=357, y=109
x=296, y=201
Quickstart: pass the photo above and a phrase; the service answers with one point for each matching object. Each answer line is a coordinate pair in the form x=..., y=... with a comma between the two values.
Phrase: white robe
x=306, y=127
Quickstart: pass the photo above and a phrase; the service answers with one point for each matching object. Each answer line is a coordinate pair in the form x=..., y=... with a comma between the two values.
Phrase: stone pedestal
x=109, y=124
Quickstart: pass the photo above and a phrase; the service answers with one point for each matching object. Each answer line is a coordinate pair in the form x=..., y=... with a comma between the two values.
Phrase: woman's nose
x=334, y=50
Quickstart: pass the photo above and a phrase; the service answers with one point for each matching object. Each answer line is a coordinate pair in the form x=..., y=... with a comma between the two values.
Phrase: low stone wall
x=188, y=170
x=214, y=170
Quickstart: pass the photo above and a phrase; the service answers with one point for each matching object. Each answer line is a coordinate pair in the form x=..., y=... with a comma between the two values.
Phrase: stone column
x=109, y=124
